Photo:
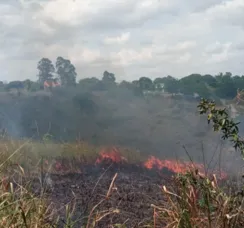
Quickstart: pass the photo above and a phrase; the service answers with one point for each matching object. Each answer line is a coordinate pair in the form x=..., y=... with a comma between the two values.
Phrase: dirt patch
x=134, y=190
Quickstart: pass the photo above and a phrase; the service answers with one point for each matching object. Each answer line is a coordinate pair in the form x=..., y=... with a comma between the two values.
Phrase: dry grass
x=191, y=201
x=197, y=201
x=29, y=154
x=19, y=207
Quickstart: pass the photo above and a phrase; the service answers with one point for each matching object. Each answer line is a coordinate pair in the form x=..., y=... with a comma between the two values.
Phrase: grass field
x=187, y=200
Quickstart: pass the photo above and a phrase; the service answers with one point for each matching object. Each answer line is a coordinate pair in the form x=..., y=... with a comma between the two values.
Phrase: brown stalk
x=111, y=186
x=107, y=196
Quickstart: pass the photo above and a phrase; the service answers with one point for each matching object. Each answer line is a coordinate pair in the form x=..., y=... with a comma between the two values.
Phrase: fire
x=176, y=166
x=111, y=154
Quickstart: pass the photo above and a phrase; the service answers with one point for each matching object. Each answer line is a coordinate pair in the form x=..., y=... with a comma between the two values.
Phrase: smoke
x=10, y=119
x=118, y=116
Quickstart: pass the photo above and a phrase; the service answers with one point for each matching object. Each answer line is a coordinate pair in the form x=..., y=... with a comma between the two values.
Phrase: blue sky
x=131, y=38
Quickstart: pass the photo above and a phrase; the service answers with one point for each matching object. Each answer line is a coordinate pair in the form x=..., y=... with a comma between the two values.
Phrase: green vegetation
x=195, y=200
x=223, y=85
x=222, y=122
x=191, y=200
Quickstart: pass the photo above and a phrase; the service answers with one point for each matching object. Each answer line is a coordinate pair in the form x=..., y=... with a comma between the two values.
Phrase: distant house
x=51, y=83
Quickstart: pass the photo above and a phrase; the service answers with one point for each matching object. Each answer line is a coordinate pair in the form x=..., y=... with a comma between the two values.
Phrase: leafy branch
x=222, y=122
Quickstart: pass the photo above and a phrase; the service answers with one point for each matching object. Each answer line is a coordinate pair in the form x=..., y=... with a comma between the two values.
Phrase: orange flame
x=111, y=154
x=176, y=166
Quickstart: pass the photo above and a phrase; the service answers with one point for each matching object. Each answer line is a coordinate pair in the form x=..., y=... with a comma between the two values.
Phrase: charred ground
x=133, y=192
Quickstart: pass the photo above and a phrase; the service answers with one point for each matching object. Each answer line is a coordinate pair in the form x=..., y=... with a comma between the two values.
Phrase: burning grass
x=78, y=179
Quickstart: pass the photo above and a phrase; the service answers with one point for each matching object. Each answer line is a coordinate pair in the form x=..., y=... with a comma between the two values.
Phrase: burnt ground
x=135, y=189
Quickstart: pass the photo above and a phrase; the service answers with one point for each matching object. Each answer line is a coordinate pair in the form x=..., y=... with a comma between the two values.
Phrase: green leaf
x=223, y=122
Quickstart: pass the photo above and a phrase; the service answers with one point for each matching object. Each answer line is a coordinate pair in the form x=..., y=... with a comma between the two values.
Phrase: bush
x=195, y=200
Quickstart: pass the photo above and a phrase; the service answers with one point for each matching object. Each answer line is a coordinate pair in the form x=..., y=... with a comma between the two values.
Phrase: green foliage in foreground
x=195, y=200
x=222, y=122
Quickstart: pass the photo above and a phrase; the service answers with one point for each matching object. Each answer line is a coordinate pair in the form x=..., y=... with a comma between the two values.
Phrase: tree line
x=223, y=85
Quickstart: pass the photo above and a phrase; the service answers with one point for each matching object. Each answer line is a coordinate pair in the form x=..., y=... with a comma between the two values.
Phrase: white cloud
x=228, y=12
x=107, y=13
x=184, y=58
x=129, y=56
x=131, y=38
x=217, y=53
x=124, y=37
x=85, y=55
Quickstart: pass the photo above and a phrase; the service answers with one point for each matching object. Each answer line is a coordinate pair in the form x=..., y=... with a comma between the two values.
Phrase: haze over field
x=121, y=113
x=113, y=62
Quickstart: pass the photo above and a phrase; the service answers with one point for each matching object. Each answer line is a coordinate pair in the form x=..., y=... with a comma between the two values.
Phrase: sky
x=130, y=38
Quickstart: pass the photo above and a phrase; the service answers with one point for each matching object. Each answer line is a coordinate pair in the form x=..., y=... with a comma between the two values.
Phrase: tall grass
x=196, y=200
x=19, y=206
x=192, y=200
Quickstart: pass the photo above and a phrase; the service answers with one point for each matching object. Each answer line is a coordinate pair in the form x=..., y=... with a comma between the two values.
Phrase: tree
x=14, y=85
x=27, y=84
x=171, y=84
x=194, y=83
x=159, y=84
x=125, y=84
x=136, y=83
x=222, y=123
x=238, y=82
x=225, y=87
x=210, y=80
x=132, y=87
x=146, y=84
x=108, y=77
x=89, y=83
x=46, y=70
x=66, y=72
